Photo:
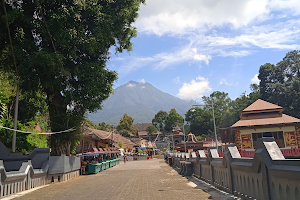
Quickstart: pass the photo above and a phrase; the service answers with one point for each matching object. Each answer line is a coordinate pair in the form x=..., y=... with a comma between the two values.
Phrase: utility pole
x=213, y=112
x=15, y=120
x=184, y=137
x=212, y=104
x=112, y=135
x=17, y=96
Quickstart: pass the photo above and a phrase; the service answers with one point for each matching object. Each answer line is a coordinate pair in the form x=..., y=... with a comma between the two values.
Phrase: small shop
x=150, y=152
x=99, y=159
x=264, y=119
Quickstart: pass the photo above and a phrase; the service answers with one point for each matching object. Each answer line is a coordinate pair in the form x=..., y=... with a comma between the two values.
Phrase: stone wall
x=267, y=176
x=63, y=168
x=20, y=172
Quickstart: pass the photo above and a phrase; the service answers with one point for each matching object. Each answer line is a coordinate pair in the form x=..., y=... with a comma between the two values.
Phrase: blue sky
x=191, y=48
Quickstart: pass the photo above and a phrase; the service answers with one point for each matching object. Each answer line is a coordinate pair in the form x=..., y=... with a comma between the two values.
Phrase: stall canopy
x=96, y=151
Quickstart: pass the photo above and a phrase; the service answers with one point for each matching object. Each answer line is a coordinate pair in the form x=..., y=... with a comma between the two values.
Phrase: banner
x=290, y=139
x=246, y=141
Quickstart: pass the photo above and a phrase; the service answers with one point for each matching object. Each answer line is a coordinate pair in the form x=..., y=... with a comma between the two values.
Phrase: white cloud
x=235, y=53
x=142, y=81
x=255, y=79
x=195, y=89
x=177, y=80
x=213, y=28
x=130, y=85
x=225, y=82
x=291, y=6
x=163, y=60
x=178, y=16
x=264, y=37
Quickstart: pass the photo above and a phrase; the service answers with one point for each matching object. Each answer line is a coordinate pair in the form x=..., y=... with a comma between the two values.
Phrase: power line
x=51, y=133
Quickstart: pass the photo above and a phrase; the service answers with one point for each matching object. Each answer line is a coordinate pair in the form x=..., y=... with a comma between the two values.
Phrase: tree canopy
x=280, y=83
x=159, y=120
x=226, y=111
x=173, y=119
x=151, y=129
x=61, y=49
x=125, y=127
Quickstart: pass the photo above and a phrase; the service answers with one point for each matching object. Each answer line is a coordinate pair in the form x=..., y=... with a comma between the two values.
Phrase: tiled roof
x=107, y=135
x=262, y=113
x=283, y=119
x=141, y=127
x=145, y=133
x=261, y=105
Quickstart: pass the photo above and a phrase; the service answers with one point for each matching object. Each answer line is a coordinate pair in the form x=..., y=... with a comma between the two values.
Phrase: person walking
x=124, y=159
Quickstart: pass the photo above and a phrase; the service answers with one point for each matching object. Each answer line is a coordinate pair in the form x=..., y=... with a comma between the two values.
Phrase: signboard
x=246, y=141
x=290, y=139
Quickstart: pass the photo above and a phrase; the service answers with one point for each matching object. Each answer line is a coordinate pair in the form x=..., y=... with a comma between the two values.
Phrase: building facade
x=264, y=119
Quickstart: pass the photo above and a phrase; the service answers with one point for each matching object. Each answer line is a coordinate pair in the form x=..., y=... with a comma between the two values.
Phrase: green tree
x=103, y=126
x=280, y=83
x=159, y=120
x=62, y=48
x=173, y=119
x=220, y=102
x=238, y=105
x=200, y=121
x=120, y=143
x=150, y=130
x=88, y=123
x=125, y=127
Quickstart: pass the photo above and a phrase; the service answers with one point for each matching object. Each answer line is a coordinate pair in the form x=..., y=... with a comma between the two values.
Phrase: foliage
x=24, y=142
x=200, y=120
x=125, y=127
x=280, y=83
x=198, y=137
x=236, y=107
x=226, y=111
x=159, y=120
x=151, y=129
x=120, y=143
x=173, y=119
x=103, y=126
x=3, y=107
x=220, y=101
x=61, y=49
x=88, y=123
x=37, y=141
x=140, y=151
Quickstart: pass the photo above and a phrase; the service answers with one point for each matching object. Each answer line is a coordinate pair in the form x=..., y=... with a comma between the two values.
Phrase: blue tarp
x=142, y=148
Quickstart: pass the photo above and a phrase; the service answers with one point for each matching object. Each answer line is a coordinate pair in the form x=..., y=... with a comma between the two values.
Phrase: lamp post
x=173, y=138
x=184, y=137
x=212, y=105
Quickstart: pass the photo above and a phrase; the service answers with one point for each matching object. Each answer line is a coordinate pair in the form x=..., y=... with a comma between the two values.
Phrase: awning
x=142, y=148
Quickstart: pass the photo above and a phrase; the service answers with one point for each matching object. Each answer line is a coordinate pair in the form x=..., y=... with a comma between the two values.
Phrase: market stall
x=99, y=159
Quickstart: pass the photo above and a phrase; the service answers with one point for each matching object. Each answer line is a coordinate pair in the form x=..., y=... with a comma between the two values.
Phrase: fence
x=267, y=176
x=20, y=172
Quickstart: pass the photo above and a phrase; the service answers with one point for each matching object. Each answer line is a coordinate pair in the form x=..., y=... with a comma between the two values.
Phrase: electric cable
x=51, y=133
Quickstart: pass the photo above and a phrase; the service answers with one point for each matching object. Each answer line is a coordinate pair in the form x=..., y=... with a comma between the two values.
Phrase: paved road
x=140, y=180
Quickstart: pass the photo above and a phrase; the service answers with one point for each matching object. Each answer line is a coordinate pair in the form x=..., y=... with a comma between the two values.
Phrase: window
x=278, y=136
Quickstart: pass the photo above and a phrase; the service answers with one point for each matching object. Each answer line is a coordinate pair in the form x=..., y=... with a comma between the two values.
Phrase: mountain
x=139, y=100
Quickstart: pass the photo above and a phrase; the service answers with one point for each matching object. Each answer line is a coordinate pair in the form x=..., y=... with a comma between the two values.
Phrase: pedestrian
x=124, y=158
